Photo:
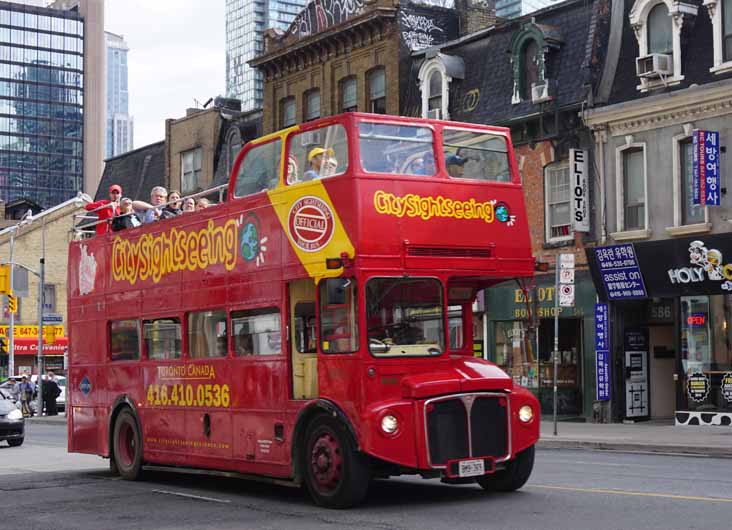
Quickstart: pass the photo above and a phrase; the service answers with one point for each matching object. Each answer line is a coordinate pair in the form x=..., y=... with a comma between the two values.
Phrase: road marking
x=189, y=496
x=632, y=493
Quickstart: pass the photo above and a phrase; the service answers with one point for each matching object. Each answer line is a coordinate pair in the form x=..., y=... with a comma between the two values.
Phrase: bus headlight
x=526, y=414
x=389, y=424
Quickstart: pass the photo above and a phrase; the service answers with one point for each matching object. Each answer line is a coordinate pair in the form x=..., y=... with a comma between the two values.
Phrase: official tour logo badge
x=310, y=224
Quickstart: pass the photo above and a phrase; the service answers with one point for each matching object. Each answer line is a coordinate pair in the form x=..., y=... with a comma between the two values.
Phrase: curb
x=682, y=450
x=56, y=420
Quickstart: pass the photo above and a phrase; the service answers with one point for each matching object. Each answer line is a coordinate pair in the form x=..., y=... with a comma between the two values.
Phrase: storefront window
x=513, y=353
x=706, y=351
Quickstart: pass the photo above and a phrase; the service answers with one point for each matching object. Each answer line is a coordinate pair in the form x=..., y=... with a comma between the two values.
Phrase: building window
x=657, y=26
x=435, y=86
x=349, y=95
x=659, y=35
x=634, y=193
x=377, y=91
x=190, y=165
x=529, y=65
x=288, y=111
x=720, y=12
x=233, y=146
x=558, y=206
x=690, y=213
x=312, y=105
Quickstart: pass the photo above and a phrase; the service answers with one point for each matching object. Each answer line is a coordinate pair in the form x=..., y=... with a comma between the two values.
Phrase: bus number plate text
x=471, y=468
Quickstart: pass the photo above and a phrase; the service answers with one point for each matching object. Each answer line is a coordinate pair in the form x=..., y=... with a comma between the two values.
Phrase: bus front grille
x=466, y=426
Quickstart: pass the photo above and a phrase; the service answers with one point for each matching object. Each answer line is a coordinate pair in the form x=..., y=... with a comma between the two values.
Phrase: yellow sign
x=5, y=287
x=31, y=331
x=156, y=255
x=12, y=304
x=49, y=334
x=412, y=205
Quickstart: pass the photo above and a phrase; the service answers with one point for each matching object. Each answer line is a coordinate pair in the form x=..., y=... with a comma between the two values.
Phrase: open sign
x=696, y=319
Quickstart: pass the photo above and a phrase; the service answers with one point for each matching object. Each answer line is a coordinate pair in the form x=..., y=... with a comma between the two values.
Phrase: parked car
x=12, y=424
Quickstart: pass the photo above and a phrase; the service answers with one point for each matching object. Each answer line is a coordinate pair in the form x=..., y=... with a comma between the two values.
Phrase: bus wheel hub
x=326, y=461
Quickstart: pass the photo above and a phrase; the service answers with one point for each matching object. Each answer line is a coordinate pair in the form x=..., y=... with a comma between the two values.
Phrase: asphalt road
x=569, y=490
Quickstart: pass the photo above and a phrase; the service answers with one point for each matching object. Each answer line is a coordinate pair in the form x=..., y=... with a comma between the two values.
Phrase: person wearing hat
x=455, y=165
x=106, y=209
x=316, y=158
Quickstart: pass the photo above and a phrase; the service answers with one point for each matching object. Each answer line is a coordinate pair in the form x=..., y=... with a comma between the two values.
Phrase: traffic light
x=12, y=304
x=4, y=279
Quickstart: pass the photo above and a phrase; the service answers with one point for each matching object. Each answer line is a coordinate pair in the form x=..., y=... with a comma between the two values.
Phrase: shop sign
x=620, y=272
x=602, y=352
x=580, y=192
x=29, y=331
x=727, y=386
x=705, y=168
x=697, y=386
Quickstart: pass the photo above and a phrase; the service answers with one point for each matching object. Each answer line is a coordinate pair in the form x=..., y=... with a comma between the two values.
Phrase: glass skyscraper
x=518, y=8
x=246, y=21
x=41, y=103
x=118, y=137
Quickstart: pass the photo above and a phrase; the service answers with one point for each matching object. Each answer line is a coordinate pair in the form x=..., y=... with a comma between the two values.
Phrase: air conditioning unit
x=541, y=92
x=434, y=114
x=654, y=65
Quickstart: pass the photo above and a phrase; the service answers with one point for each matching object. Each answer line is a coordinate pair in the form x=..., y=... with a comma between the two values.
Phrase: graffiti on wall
x=322, y=14
x=418, y=31
x=449, y=4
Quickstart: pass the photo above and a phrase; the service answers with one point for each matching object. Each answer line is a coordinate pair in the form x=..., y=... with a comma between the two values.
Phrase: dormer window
x=435, y=86
x=531, y=47
x=529, y=68
x=657, y=25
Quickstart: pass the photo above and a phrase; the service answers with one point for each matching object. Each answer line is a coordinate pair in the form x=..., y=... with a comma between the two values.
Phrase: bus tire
x=336, y=474
x=515, y=475
x=127, y=446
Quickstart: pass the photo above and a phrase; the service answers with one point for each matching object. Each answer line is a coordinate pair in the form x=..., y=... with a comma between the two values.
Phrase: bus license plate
x=471, y=468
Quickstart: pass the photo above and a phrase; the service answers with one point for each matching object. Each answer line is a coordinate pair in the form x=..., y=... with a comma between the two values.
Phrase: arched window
x=288, y=112
x=434, y=91
x=312, y=105
x=349, y=95
x=377, y=90
x=233, y=146
x=435, y=85
x=660, y=37
x=529, y=68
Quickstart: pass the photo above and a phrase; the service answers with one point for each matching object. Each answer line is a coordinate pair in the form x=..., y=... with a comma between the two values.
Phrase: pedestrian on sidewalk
x=50, y=391
x=26, y=396
x=14, y=390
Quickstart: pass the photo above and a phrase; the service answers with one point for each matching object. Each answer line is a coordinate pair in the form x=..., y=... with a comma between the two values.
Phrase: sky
x=177, y=55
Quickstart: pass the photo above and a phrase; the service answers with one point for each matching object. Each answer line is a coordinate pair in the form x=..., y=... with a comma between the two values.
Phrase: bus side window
x=305, y=341
x=257, y=332
x=260, y=169
x=338, y=316
x=207, y=334
x=162, y=338
x=124, y=340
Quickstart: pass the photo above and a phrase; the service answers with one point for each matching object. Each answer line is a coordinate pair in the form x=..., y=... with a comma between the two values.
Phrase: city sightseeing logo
x=707, y=264
x=310, y=224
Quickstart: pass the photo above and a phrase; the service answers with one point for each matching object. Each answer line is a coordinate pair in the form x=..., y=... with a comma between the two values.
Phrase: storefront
x=527, y=356
x=672, y=343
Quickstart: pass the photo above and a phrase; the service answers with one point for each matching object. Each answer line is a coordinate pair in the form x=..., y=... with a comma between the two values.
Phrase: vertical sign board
x=602, y=352
x=620, y=272
x=580, y=192
x=566, y=280
x=706, y=176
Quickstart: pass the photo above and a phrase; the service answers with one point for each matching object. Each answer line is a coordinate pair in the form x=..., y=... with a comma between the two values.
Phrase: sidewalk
x=653, y=437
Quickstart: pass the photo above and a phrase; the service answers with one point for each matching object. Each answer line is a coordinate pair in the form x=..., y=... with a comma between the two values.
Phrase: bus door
x=303, y=341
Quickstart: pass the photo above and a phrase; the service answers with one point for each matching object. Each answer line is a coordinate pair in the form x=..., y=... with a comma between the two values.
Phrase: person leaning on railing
x=127, y=217
x=106, y=209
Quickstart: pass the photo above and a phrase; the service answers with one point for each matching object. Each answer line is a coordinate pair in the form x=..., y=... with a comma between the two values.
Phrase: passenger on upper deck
x=455, y=165
x=202, y=204
x=106, y=213
x=320, y=166
x=174, y=205
x=428, y=165
x=154, y=211
x=127, y=217
x=189, y=205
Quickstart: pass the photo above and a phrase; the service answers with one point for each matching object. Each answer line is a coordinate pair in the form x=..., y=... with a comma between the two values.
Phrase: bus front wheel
x=127, y=446
x=336, y=474
x=515, y=475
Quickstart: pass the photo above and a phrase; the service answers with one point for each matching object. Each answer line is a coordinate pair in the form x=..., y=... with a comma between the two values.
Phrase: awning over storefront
x=27, y=346
x=675, y=267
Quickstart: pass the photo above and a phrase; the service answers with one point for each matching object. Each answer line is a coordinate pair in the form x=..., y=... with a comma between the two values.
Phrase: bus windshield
x=405, y=317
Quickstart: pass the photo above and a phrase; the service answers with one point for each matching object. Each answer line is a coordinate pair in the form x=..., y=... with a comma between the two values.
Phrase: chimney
x=475, y=15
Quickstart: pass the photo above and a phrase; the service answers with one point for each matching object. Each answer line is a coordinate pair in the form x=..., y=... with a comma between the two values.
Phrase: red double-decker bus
x=315, y=328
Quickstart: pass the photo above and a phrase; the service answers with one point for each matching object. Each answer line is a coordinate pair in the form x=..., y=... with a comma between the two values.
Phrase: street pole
x=41, y=293
x=556, y=338
x=11, y=328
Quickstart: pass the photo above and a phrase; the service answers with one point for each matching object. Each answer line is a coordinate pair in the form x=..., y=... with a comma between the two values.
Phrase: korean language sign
x=620, y=272
x=602, y=352
x=706, y=178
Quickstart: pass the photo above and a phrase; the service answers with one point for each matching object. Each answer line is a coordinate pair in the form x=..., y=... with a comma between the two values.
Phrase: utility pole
x=41, y=303
x=11, y=328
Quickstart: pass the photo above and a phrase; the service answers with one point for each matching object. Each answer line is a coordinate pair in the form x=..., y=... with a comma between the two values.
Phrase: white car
x=61, y=399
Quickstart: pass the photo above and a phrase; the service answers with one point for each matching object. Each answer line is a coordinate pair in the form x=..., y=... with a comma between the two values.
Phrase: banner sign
x=580, y=191
x=620, y=272
x=706, y=178
x=602, y=352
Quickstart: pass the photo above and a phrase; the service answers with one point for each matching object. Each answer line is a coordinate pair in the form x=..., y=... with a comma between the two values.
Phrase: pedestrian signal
x=5, y=279
x=12, y=304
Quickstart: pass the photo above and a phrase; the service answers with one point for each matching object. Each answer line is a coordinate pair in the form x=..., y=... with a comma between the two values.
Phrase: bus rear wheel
x=127, y=446
x=515, y=475
x=336, y=474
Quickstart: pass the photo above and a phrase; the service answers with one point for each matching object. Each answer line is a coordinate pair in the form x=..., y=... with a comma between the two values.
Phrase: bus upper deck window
x=473, y=155
x=260, y=169
x=317, y=154
x=398, y=149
